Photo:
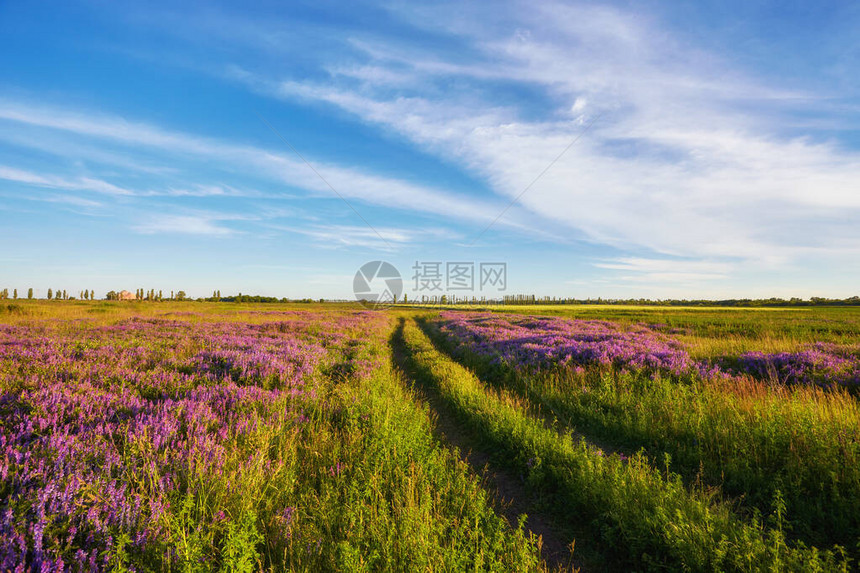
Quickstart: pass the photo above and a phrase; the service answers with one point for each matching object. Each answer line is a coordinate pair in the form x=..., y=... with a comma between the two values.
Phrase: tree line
x=156, y=296
x=153, y=295
x=150, y=295
x=59, y=294
x=732, y=302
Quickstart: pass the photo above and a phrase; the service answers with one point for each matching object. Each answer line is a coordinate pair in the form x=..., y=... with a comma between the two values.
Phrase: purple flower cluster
x=101, y=428
x=824, y=364
x=546, y=342
x=536, y=341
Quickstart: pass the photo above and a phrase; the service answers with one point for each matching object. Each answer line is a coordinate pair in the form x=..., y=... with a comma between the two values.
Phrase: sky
x=638, y=149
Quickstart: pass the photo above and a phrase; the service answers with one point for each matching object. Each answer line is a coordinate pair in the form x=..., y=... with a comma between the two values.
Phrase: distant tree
x=171, y=295
x=405, y=298
x=4, y=293
x=15, y=294
x=160, y=296
x=50, y=294
x=112, y=295
x=181, y=295
x=30, y=294
x=65, y=296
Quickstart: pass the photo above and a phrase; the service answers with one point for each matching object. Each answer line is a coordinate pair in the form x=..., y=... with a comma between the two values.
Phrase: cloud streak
x=352, y=183
x=679, y=164
x=207, y=225
x=53, y=182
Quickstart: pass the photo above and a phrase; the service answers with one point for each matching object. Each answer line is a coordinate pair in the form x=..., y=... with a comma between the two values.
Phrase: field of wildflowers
x=241, y=437
x=196, y=443
x=766, y=432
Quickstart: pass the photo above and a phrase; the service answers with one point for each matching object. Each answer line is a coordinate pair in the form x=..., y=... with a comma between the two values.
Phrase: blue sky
x=718, y=152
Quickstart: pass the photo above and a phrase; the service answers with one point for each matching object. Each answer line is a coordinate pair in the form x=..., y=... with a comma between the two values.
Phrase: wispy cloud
x=336, y=236
x=352, y=183
x=634, y=269
x=679, y=162
x=208, y=225
x=54, y=182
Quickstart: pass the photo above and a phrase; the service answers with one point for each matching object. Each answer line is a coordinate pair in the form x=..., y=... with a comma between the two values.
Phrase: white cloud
x=350, y=183
x=645, y=270
x=54, y=182
x=205, y=190
x=678, y=162
x=336, y=236
x=380, y=238
x=185, y=225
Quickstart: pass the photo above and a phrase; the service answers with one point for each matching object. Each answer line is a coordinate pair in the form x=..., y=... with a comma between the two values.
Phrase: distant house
x=125, y=295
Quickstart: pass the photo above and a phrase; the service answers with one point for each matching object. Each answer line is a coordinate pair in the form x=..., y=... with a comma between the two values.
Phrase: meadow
x=324, y=437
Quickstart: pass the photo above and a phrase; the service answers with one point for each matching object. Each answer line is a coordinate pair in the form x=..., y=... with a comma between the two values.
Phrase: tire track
x=512, y=496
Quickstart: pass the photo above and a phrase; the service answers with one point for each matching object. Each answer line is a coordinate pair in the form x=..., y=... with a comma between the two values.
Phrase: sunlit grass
x=637, y=509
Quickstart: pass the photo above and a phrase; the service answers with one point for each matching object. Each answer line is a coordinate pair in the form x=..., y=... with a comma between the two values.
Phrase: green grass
x=401, y=502
x=729, y=476
x=367, y=485
x=644, y=513
x=743, y=436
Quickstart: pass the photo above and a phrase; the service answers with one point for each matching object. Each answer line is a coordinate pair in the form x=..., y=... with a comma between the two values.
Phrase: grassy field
x=323, y=437
x=710, y=331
